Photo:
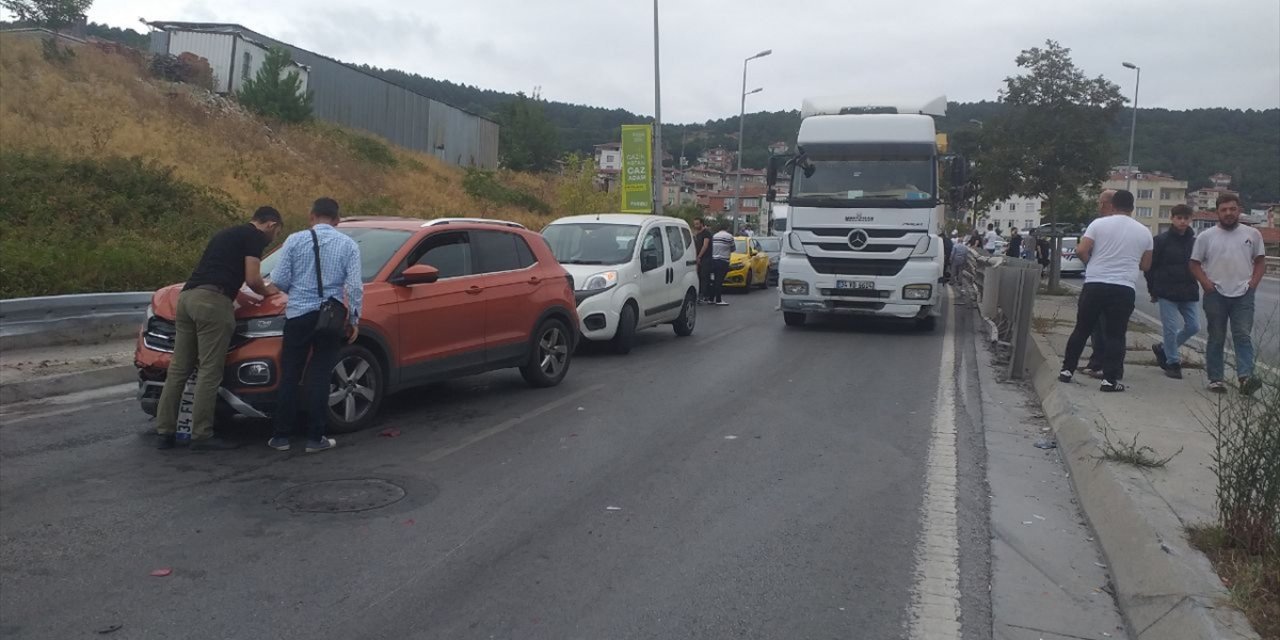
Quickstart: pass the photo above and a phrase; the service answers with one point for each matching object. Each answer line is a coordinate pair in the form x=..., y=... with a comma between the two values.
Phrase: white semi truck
x=865, y=212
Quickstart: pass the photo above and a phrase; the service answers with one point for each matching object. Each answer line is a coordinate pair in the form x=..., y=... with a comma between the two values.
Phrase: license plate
x=857, y=285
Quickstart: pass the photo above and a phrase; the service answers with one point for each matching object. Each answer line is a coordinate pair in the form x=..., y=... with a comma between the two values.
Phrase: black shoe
x=1064, y=375
x=1161, y=358
x=213, y=444
x=1174, y=371
x=1111, y=386
x=1248, y=386
x=165, y=440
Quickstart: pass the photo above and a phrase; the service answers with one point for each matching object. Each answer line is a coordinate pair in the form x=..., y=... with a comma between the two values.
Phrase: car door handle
x=474, y=290
x=690, y=263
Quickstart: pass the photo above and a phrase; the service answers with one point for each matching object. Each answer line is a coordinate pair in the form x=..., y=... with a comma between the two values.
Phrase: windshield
x=592, y=242
x=903, y=182
x=376, y=248
x=770, y=245
x=739, y=246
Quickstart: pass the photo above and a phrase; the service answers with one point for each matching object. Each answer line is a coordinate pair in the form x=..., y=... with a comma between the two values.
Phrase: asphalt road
x=751, y=481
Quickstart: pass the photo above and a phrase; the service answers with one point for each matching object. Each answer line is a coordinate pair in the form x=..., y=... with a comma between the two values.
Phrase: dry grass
x=103, y=104
x=1253, y=581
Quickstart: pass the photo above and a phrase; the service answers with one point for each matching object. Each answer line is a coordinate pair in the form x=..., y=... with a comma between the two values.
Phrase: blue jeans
x=1220, y=310
x=1173, y=338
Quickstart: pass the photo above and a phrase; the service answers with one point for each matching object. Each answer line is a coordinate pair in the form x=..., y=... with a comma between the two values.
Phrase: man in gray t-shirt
x=1228, y=261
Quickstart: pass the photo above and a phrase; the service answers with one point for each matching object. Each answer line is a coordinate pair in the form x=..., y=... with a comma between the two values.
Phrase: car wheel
x=764, y=282
x=688, y=316
x=793, y=318
x=355, y=390
x=927, y=323
x=550, y=355
x=626, y=335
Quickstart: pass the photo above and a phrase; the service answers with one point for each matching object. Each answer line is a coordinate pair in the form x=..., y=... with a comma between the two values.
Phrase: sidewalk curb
x=1166, y=591
x=49, y=386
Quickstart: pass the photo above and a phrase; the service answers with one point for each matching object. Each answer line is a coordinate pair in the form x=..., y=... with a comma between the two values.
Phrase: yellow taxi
x=748, y=266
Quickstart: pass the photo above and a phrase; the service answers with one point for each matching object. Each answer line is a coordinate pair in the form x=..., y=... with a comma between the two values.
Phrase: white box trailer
x=232, y=57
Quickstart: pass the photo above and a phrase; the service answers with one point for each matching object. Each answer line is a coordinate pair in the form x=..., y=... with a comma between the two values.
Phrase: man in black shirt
x=702, y=247
x=205, y=321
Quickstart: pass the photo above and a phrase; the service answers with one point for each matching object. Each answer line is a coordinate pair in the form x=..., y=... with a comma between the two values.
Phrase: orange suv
x=442, y=298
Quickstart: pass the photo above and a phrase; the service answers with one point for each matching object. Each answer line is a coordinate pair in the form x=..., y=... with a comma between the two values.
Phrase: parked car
x=772, y=247
x=1071, y=263
x=631, y=272
x=748, y=265
x=442, y=299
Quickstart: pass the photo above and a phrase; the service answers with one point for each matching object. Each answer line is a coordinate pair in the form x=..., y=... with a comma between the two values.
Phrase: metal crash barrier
x=1005, y=292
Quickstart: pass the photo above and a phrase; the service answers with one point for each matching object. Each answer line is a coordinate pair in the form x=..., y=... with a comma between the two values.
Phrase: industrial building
x=342, y=94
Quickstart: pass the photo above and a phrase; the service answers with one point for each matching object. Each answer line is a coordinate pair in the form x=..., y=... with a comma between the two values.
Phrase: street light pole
x=742, y=115
x=1133, y=126
x=657, y=119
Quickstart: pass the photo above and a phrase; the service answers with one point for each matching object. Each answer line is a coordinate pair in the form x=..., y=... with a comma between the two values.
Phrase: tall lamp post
x=661, y=191
x=742, y=114
x=1133, y=126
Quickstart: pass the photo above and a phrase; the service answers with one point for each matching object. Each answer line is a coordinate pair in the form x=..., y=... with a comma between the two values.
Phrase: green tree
x=50, y=14
x=527, y=141
x=577, y=193
x=1052, y=141
x=276, y=91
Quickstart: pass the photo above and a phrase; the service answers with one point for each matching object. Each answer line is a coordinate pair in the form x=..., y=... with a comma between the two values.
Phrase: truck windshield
x=892, y=183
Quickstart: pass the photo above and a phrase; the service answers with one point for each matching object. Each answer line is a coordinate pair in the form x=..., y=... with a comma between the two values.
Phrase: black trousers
x=1109, y=305
x=704, y=279
x=719, y=269
x=301, y=340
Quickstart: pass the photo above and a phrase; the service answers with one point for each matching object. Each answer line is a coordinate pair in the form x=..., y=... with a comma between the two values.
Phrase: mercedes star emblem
x=858, y=239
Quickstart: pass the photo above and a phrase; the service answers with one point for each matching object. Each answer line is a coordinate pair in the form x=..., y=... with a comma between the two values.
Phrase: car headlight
x=922, y=247
x=917, y=292
x=736, y=265
x=600, y=281
x=270, y=327
x=795, y=287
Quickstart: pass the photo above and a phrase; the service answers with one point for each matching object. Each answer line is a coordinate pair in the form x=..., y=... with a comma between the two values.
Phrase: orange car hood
x=248, y=304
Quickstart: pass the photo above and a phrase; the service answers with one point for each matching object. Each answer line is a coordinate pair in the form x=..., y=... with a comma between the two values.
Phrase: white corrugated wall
x=217, y=48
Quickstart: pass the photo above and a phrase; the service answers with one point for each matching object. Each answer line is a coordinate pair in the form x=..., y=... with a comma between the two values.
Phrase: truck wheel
x=626, y=335
x=793, y=318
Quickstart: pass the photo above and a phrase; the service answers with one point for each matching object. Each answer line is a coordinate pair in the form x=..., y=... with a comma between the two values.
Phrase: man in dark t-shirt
x=702, y=246
x=205, y=321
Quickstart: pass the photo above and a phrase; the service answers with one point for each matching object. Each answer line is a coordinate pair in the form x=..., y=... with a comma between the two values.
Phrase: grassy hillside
x=112, y=181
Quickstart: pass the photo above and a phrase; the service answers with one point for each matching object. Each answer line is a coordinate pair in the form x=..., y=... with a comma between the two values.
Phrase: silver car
x=772, y=247
x=1071, y=263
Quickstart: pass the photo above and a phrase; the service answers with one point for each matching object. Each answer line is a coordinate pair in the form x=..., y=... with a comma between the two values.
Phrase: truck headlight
x=795, y=287
x=600, y=281
x=917, y=292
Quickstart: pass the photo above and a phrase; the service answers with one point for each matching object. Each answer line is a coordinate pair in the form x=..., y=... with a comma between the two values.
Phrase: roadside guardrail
x=84, y=318
x=1005, y=290
x=1273, y=266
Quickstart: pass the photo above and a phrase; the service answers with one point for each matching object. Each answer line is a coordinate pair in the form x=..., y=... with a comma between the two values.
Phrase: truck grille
x=856, y=266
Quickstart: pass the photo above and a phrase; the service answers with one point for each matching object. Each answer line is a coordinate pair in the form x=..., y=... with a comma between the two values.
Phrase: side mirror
x=417, y=274
x=771, y=175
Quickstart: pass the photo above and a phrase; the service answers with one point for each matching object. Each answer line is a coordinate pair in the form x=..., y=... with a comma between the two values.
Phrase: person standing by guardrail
x=1229, y=261
x=1171, y=285
x=1112, y=249
x=206, y=319
x=1098, y=341
x=991, y=239
x=316, y=267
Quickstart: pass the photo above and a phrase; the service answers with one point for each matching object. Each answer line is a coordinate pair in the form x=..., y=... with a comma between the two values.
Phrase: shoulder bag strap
x=315, y=245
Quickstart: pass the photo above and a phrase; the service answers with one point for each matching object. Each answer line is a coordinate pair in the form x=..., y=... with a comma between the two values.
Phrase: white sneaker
x=323, y=444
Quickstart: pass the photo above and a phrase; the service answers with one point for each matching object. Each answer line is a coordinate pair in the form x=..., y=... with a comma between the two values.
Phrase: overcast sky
x=600, y=52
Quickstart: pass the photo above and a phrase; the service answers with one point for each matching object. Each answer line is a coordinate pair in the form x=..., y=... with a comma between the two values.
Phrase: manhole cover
x=340, y=496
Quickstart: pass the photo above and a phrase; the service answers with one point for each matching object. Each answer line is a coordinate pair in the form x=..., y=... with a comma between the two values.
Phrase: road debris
x=731, y=437
x=389, y=433
x=110, y=629
x=1045, y=443
x=161, y=573
x=613, y=508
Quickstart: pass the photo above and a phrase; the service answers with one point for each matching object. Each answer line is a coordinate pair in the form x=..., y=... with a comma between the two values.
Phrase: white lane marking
x=935, y=596
x=8, y=419
x=439, y=454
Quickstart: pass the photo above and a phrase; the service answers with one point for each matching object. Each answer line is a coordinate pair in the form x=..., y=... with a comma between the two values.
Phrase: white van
x=630, y=272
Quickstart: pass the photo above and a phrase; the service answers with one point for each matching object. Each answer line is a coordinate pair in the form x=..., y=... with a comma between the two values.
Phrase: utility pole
x=742, y=115
x=1133, y=126
x=660, y=191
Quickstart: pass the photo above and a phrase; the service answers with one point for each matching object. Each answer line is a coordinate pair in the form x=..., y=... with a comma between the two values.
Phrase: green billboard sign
x=637, y=168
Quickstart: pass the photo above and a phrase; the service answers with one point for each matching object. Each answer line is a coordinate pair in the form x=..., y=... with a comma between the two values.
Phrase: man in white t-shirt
x=1113, y=249
x=1228, y=261
x=991, y=239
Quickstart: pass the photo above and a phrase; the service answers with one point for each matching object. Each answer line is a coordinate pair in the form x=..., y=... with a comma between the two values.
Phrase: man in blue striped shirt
x=295, y=275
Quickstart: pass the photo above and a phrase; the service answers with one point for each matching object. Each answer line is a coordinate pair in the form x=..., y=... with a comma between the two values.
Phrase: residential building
x=721, y=202
x=342, y=93
x=1207, y=198
x=719, y=158
x=609, y=156
x=1202, y=220
x=1155, y=194
x=1020, y=212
